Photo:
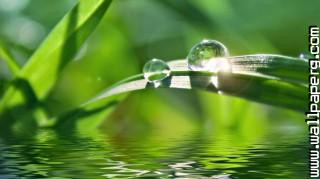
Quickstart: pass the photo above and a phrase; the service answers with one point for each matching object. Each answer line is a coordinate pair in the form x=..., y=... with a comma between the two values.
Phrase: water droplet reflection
x=208, y=55
x=156, y=70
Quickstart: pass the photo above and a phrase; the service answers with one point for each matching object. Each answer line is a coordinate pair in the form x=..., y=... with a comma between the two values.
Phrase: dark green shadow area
x=21, y=111
x=70, y=46
x=67, y=122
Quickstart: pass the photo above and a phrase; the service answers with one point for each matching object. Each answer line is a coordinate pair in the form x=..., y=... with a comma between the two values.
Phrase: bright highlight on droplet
x=156, y=70
x=306, y=56
x=208, y=55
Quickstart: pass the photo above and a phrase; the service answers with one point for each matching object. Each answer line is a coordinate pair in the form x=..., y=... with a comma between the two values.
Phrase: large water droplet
x=208, y=56
x=156, y=70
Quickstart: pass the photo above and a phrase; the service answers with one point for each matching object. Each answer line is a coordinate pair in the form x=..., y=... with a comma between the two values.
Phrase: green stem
x=7, y=58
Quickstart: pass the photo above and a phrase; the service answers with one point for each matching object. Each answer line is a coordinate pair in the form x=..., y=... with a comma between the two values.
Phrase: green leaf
x=60, y=46
x=286, y=68
x=8, y=59
x=262, y=78
x=3, y=84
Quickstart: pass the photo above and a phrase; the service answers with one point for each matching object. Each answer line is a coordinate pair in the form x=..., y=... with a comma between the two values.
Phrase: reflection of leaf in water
x=197, y=154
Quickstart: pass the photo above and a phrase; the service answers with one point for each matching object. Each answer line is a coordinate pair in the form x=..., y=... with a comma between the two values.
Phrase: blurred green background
x=133, y=32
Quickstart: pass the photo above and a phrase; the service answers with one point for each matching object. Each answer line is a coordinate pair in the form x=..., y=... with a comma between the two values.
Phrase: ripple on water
x=196, y=156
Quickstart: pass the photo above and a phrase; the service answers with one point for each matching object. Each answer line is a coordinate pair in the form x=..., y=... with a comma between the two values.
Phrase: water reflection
x=196, y=155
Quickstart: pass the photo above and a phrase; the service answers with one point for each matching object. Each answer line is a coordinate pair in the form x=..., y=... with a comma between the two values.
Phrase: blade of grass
x=8, y=59
x=257, y=81
x=286, y=68
x=42, y=70
x=262, y=81
x=3, y=85
x=44, y=66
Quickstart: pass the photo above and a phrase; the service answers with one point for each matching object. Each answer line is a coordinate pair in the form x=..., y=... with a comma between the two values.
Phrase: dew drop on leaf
x=156, y=70
x=208, y=55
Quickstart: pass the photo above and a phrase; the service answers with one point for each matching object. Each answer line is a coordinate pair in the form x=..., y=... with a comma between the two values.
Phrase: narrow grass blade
x=285, y=68
x=262, y=80
x=37, y=77
x=44, y=66
x=8, y=59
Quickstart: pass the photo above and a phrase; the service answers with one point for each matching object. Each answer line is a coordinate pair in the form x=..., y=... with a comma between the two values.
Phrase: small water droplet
x=306, y=56
x=208, y=56
x=156, y=70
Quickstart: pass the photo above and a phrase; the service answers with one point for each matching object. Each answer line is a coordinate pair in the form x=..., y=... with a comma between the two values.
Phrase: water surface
x=196, y=155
